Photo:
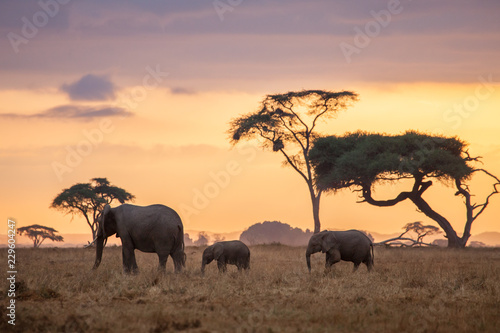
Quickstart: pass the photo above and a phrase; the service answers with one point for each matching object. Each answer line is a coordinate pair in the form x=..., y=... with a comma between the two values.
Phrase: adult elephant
x=228, y=252
x=350, y=245
x=155, y=228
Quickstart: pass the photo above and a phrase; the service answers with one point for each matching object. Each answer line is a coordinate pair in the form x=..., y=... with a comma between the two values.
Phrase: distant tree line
x=203, y=239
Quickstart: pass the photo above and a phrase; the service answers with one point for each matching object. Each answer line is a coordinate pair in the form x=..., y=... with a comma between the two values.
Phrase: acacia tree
x=286, y=123
x=362, y=161
x=38, y=233
x=417, y=228
x=89, y=199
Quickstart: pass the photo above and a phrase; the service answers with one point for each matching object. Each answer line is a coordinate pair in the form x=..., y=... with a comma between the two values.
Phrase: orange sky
x=168, y=144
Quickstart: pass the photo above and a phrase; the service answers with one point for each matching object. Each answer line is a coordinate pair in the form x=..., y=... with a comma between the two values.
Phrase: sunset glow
x=168, y=78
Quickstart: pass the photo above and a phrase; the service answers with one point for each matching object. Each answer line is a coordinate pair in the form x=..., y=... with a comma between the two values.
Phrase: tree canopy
x=363, y=160
x=89, y=199
x=287, y=123
x=38, y=233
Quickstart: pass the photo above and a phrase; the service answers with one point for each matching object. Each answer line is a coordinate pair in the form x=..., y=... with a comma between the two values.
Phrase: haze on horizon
x=146, y=90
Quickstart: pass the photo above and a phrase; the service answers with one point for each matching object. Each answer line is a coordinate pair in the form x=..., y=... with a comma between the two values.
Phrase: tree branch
x=325, y=110
x=471, y=217
x=414, y=242
x=294, y=166
x=294, y=113
x=367, y=195
x=293, y=133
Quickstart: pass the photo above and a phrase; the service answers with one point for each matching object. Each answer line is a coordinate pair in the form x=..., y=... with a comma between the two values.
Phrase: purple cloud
x=72, y=112
x=90, y=88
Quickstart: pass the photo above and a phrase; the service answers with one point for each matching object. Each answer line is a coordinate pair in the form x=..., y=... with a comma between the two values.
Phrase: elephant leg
x=246, y=264
x=332, y=258
x=240, y=264
x=162, y=258
x=179, y=258
x=369, y=264
x=129, y=263
x=179, y=263
x=222, y=266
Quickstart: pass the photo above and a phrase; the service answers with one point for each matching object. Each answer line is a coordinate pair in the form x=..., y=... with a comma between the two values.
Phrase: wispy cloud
x=260, y=46
x=182, y=91
x=90, y=88
x=72, y=112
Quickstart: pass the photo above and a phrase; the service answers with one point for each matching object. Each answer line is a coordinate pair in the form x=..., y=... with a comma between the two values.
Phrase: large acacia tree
x=89, y=199
x=287, y=123
x=362, y=161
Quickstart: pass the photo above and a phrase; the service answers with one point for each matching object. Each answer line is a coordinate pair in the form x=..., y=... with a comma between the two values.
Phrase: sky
x=142, y=93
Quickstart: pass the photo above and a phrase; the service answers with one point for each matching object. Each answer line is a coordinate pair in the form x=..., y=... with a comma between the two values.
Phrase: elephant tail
x=373, y=255
x=180, y=238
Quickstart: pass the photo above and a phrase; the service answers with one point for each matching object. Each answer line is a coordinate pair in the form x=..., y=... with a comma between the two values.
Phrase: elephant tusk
x=90, y=244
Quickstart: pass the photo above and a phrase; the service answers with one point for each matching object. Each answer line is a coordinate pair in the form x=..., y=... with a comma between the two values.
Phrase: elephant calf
x=350, y=245
x=230, y=252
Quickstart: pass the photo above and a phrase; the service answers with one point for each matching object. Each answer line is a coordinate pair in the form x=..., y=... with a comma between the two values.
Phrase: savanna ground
x=410, y=290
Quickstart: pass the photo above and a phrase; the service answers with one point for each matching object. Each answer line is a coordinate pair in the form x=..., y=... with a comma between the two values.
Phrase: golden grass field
x=409, y=290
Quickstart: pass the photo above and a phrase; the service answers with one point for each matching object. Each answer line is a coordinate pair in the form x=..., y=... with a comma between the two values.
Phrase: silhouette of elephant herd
x=158, y=229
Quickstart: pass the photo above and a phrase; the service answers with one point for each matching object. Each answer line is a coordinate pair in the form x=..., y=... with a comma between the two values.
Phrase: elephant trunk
x=203, y=263
x=98, y=251
x=308, y=260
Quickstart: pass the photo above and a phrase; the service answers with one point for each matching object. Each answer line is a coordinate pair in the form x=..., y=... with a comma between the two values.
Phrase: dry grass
x=410, y=290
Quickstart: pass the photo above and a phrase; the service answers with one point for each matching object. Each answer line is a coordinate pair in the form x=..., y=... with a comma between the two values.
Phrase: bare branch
x=289, y=160
x=367, y=195
x=293, y=133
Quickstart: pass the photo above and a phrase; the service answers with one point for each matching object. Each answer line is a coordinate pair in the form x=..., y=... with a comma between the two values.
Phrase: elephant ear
x=328, y=242
x=105, y=215
x=218, y=250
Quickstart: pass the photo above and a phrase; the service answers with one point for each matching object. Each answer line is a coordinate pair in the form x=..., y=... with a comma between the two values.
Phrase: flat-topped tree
x=286, y=123
x=89, y=200
x=38, y=233
x=362, y=161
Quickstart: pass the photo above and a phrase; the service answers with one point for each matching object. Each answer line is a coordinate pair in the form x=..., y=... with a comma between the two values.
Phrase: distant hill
x=275, y=232
x=490, y=238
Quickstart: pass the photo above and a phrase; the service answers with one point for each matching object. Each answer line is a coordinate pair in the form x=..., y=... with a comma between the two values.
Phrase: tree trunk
x=315, y=204
x=453, y=240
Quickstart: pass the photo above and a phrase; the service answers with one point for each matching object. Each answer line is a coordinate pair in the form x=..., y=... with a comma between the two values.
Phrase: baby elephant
x=350, y=245
x=230, y=252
